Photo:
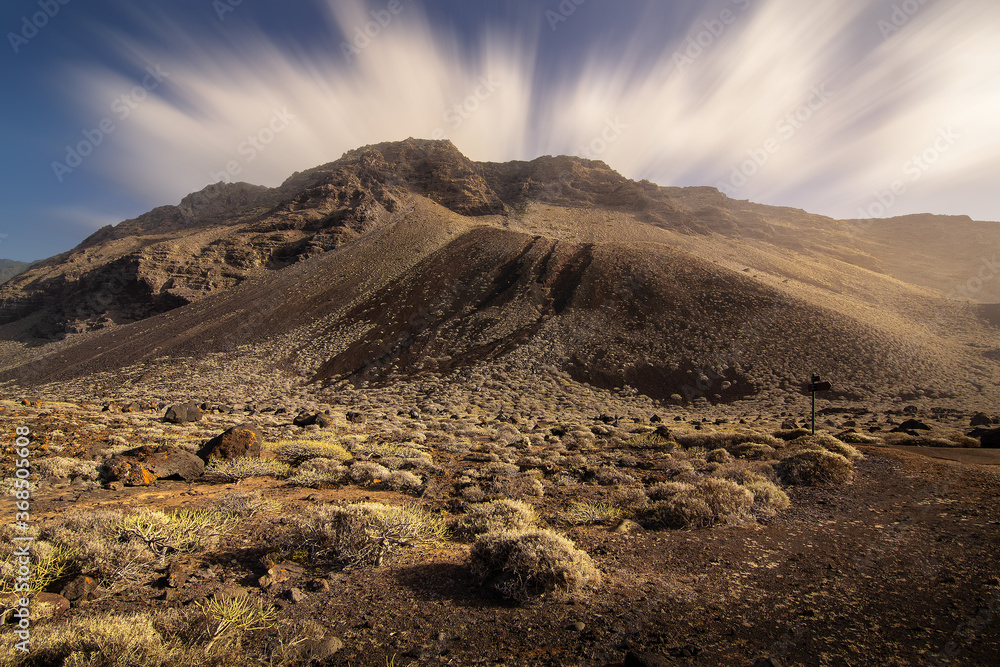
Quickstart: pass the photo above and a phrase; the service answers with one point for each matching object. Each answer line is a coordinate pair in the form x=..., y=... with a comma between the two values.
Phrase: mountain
x=407, y=260
x=10, y=268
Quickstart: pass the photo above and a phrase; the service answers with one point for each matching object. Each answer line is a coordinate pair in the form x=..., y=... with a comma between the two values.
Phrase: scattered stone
x=237, y=442
x=128, y=471
x=788, y=425
x=355, y=417
x=80, y=588
x=913, y=425
x=319, y=419
x=296, y=595
x=638, y=659
x=627, y=526
x=981, y=419
x=178, y=572
x=769, y=662
x=230, y=591
x=315, y=650
x=183, y=413
x=579, y=626
x=280, y=573
x=655, y=419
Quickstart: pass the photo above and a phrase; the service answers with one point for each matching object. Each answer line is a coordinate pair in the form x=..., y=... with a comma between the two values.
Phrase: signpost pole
x=814, y=412
x=815, y=380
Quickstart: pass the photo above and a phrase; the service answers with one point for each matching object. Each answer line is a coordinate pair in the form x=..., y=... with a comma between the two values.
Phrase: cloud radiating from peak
x=819, y=105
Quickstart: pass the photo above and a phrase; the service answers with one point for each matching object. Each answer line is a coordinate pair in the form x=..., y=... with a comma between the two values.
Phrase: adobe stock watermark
x=122, y=107
x=900, y=16
x=254, y=145
x=785, y=130
x=703, y=40
x=612, y=132
x=223, y=7
x=464, y=110
x=566, y=9
x=31, y=26
x=913, y=170
x=364, y=35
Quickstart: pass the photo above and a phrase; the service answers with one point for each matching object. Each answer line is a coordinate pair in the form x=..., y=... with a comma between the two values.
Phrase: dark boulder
x=183, y=413
x=129, y=471
x=990, y=439
x=914, y=425
x=237, y=442
x=981, y=419
x=306, y=419
x=166, y=462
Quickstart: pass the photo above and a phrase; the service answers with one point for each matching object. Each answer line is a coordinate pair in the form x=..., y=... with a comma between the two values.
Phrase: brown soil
x=898, y=568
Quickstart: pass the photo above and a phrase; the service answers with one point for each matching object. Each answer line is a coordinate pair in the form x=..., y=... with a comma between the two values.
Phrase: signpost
x=816, y=385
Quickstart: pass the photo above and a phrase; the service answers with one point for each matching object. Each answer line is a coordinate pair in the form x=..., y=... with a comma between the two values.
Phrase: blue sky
x=840, y=107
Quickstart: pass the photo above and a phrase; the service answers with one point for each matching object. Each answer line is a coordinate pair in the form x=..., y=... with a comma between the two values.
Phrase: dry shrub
x=522, y=486
x=629, y=497
x=248, y=466
x=402, y=480
x=99, y=546
x=365, y=533
x=712, y=500
x=521, y=565
x=856, y=438
x=720, y=455
x=724, y=439
x=609, y=475
x=366, y=472
x=59, y=466
x=929, y=440
x=816, y=466
x=728, y=500
x=682, y=510
x=103, y=641
x=828, y=443
x=768, y=497
x=495, y=516
x=246, y=505
x=295, y=452
x=791, y=434
x=588, y=512
x=667, y=490
x=752, y=451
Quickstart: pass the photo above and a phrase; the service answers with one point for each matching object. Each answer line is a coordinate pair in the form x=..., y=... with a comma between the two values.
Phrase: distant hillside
x=10, y=268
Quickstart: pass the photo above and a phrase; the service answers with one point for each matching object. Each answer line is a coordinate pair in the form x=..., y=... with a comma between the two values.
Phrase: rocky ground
x=896, y=566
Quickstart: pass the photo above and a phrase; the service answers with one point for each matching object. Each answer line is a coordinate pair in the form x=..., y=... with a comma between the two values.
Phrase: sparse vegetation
x=495, y=516
x=246, y=467
x=521, y=565
x=366, y=533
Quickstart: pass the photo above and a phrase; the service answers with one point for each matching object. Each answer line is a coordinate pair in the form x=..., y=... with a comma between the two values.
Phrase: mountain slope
x=406, y=259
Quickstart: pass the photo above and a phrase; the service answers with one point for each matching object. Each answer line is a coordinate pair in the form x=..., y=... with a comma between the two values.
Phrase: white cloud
x=686, y=125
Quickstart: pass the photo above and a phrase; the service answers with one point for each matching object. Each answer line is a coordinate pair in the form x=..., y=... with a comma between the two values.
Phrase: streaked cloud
x=683, y=122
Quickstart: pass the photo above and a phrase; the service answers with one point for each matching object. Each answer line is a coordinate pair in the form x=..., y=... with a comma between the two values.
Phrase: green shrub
x=521, y=565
